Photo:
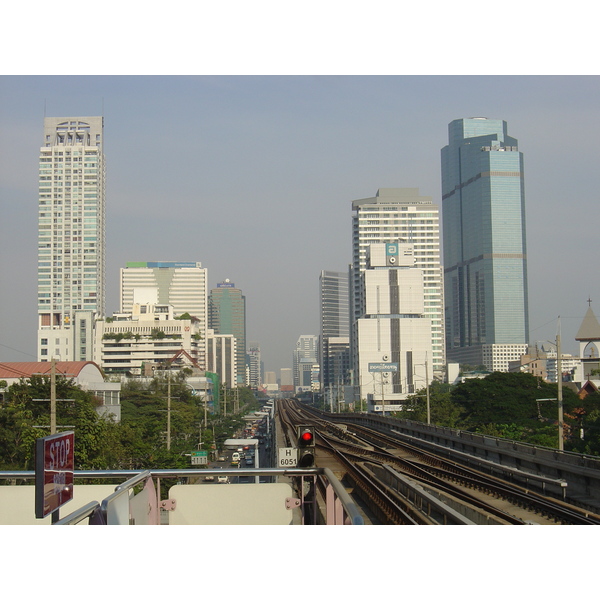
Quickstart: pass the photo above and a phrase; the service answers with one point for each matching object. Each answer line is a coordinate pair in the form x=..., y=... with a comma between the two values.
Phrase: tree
x=23, y=419
x=444, y=411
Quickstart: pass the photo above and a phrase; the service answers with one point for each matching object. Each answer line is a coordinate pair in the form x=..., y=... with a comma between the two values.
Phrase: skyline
x=253, y=171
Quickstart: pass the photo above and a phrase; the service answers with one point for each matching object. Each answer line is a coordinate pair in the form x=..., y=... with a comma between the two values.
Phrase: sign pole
x=53, y=396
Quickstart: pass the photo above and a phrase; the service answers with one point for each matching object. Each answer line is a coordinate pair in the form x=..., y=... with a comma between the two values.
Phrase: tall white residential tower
x=71, y=236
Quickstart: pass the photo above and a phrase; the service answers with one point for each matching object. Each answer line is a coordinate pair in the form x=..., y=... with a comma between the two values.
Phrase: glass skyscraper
x=334, y=342
x=485, y=257
x=71, y=236
x=227, y=315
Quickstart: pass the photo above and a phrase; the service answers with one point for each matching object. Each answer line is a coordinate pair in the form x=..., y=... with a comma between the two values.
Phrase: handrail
x=90, y=509
x=138, y=476
x=349, y=505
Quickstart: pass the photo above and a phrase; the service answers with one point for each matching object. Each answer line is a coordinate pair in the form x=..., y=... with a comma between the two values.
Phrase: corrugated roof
x=27, y=369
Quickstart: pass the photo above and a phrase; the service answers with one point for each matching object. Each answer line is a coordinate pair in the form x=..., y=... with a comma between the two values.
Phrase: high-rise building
x=485, y=257
x=227, y=315
x=221, y=357
x=182, y=285
x=393, y=333
x=334, y=339
x=286, y=380
x=305, y=361
x=71, y=236
x=255, y=366
x=401, y=215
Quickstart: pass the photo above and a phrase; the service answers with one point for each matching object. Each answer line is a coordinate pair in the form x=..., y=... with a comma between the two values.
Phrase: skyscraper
x=393, y=334
x=334, y=339
x=71, y=236
x=305, y=360
x=485, y=257
x=402, y=215
x=227, y=314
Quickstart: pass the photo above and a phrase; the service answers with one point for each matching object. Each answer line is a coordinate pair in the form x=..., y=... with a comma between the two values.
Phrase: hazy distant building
x=182, y=285
x=254, y=365
x=402, y=215
x=71, y=236
x=485, y=256
x=334, y=338
x=286, y=380
x=227, y=315
x=305, y=361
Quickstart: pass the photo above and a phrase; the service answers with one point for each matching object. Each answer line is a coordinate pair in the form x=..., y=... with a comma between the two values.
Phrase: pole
x=561, y=441
x=169, y=412
x=53, y=396
x=205, y=413
x=427, y=384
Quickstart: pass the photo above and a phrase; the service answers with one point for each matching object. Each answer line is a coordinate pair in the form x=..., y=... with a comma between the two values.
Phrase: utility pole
x=53, y=396
x=169, y=411
x=427, y=384
x=561, y=441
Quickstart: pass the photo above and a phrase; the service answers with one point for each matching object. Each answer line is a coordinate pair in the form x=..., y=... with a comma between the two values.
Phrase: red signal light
x=307, y=436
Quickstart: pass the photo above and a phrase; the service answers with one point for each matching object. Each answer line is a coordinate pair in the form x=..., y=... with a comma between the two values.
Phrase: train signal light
x=306, y=446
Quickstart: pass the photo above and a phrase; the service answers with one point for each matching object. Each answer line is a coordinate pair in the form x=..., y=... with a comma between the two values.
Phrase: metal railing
x=115, y=509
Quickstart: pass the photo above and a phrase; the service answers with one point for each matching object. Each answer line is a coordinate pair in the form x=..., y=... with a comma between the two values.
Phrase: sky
x=240, y=135
x=254, y=176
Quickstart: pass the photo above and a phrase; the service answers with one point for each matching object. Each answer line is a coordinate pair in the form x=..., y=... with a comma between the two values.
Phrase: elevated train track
x=404, y=484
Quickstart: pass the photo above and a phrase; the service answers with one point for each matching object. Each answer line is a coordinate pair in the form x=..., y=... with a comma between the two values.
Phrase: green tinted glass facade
x=485, y=257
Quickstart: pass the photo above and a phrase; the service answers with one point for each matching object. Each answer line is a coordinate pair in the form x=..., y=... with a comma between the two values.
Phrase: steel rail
x=443, y=467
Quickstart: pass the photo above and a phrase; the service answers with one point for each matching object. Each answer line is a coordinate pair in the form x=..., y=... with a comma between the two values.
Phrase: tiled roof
x=27, y=369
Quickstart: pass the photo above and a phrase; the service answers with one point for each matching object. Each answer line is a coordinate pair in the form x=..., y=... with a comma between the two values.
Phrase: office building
x=286, y=380
x=305, y=361
x=254, y=367
x=485, y=257
x=182, y=285
x=147, y=339
x=402, y=215
x=393, y=332
x=334, y=338
x=227, y=315
x=221, y=357
x=71, y=236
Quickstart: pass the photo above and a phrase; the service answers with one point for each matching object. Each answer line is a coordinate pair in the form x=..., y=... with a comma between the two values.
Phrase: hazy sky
x=254, y=176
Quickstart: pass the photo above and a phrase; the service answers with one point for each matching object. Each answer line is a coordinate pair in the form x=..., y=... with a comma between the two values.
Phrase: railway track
x=363, y=452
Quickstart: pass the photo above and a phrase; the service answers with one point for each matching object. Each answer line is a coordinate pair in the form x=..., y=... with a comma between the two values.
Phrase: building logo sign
x=384, y=367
